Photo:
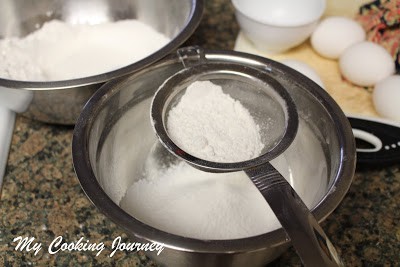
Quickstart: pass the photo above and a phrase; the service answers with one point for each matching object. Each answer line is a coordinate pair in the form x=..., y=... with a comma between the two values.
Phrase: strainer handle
x=307, y=236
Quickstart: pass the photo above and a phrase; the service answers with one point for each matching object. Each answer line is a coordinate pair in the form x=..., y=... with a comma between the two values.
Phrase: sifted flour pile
x=182, y=200
x=211, y=125
x=61, y=51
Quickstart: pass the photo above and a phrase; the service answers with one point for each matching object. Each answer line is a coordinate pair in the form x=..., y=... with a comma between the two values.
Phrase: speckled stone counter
x=42, y=198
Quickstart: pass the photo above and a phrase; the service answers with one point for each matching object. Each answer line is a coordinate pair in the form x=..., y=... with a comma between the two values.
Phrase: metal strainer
x=264, y=97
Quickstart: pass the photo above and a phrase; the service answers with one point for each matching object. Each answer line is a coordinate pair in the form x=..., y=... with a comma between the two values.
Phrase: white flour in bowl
x=61, y=51
x=185, y=201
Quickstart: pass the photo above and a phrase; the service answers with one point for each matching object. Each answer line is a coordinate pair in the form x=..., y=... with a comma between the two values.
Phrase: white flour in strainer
x=211, y=125
x=61, y=51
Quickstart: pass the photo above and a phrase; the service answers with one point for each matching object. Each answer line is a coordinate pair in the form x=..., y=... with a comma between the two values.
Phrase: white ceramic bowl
x=278, y=25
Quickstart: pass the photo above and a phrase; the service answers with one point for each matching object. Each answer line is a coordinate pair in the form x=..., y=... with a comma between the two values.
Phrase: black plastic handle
x=383, y=135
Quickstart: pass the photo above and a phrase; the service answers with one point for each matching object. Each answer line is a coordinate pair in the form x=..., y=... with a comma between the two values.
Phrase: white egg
x=386, y=97
x=366, y=63
x=334, y=35
x=304, y=69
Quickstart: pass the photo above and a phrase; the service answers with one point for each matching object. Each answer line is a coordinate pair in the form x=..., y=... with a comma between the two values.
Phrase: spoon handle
x=308, y=238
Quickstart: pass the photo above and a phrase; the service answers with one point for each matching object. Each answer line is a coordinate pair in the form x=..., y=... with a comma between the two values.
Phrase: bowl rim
x=267, y=22
x=336, y=191
x=192, y=22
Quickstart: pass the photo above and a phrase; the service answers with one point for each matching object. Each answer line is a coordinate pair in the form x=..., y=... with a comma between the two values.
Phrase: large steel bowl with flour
x=61, y=101
x=113, y=140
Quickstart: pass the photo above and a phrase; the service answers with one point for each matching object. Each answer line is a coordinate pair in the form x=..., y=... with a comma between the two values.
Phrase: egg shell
x=304, y=69
x=366, y=63
x=386, y=97
x=334, y=35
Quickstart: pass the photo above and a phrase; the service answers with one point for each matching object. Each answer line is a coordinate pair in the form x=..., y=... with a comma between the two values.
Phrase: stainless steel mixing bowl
x=113, y=137
x=62, y=101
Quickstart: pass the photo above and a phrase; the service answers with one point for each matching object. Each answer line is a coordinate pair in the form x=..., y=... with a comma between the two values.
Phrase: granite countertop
x=42, y=198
